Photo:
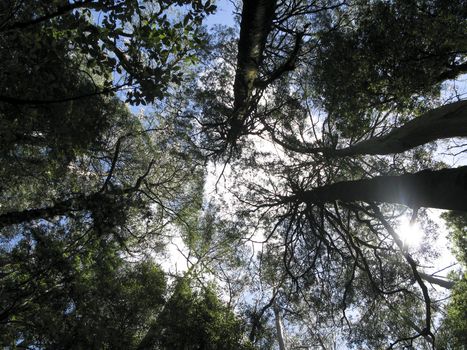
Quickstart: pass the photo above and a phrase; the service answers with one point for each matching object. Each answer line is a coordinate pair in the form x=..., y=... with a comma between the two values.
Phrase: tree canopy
x=279, y=158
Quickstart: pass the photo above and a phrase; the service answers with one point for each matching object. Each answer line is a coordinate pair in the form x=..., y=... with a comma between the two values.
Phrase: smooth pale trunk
x=279, y=328
x=443, y=189
x=447, y=121
x=438, y=281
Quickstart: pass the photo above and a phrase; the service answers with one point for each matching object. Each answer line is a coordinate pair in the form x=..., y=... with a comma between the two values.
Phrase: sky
x=224, y=14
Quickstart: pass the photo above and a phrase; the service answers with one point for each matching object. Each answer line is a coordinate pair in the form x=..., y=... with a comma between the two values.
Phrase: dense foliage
x=89, y=189
x=322, y=119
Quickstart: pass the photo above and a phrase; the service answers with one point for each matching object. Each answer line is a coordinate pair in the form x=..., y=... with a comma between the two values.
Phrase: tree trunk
x=257, y=16
x=279, y=328
x=445, y=122
x=438, y=281
x=58, y=209
x=441, y=123
x=78, y=203
x=443, y=189
x=255, y=26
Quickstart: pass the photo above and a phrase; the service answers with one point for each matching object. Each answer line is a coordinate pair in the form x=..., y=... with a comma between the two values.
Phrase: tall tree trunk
x=444, y=122
x=279, y=327
x=438, y=281
x=257, y=16
x=256, y=23
x=58, y=209
x=444, y=189
x=65, y=207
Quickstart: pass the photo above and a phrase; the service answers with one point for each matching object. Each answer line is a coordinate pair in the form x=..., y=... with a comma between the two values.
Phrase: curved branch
x=61, y=10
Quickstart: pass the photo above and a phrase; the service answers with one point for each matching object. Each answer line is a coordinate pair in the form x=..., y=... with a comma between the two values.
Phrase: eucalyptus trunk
x=443, y=189
x=444, y=122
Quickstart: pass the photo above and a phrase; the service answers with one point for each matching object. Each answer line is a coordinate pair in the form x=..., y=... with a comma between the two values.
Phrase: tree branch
x=59, y=12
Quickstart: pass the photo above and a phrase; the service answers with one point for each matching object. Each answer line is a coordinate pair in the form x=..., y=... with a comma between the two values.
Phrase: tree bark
x=441, y=123
x=443, y=189
x=255, y=26
x=438, y=281
x=78, y=203
x=279, y=328
x=444, y=122
x=257, y=16
x=58, y=209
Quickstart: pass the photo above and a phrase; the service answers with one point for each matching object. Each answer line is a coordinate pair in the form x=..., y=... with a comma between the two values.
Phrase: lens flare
x=411, y=234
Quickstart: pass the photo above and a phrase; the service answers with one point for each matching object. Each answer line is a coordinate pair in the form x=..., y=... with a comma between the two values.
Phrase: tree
x=429, y=188
x=347, y=95
x=308, y=195
x=194, y=320
x=444, y=122
x=138, y=41
x=64, y=238
x=453, y=327
x=93, y=298
x=56, y=297
x=87, y=186
x=386, y=55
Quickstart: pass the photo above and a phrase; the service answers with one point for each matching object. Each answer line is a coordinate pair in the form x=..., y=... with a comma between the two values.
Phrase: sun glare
x=410, y=234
